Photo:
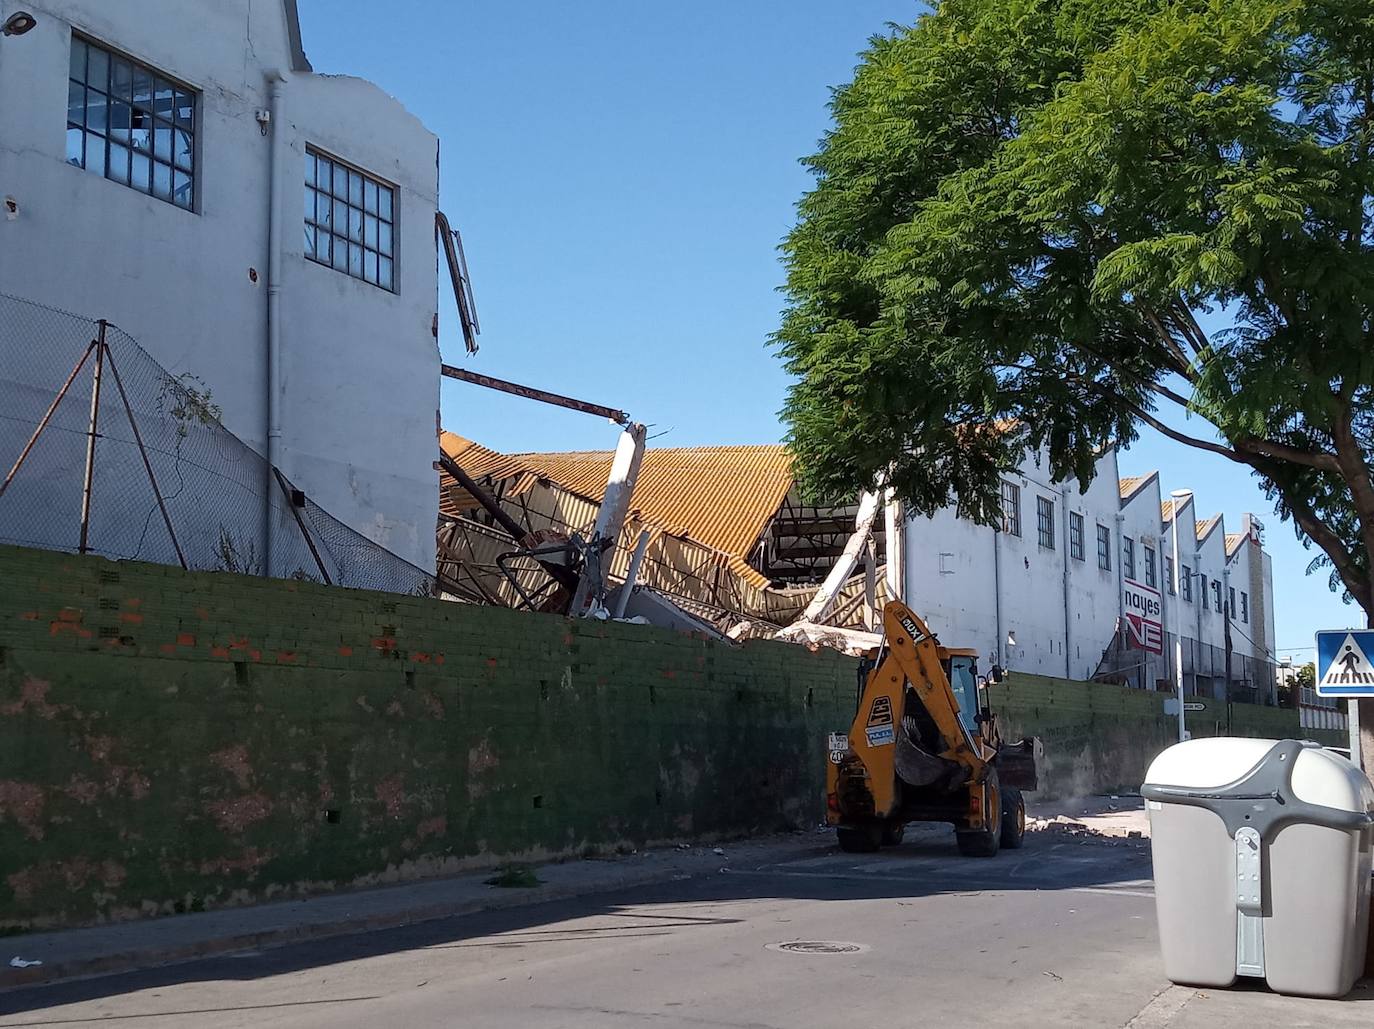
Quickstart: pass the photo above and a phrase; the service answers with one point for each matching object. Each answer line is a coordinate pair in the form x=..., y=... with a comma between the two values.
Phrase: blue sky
x=622, y=173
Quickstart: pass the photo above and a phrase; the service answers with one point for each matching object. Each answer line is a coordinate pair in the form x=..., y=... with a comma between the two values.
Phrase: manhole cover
x=818, y=947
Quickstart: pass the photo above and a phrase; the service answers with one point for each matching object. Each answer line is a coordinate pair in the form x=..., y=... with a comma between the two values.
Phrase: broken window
x=131, y=124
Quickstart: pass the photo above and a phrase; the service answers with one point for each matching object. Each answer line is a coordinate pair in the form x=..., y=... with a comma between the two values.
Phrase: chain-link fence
x=105, y=452
x=1252, y=680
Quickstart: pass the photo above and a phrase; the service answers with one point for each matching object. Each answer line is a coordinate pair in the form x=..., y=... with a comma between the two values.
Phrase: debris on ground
x=18, y=962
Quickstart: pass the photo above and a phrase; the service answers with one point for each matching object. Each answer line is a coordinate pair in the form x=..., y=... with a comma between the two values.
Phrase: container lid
x=1319, y=776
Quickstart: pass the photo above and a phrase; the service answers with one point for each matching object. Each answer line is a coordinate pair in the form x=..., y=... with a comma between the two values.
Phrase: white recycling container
x=1262, y=852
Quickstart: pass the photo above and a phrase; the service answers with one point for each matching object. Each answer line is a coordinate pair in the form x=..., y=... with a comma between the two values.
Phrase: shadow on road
x=926, y=865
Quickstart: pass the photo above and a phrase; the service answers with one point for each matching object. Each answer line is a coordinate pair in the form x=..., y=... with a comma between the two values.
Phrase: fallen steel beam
x=530, y=393
x=562, y=574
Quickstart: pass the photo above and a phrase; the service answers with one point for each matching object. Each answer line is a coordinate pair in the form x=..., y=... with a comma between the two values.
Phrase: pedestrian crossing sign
x=1344, y=666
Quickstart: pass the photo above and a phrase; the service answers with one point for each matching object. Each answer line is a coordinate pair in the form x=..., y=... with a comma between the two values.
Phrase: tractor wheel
x=984, y=842
x=863, y=839
x=893, y=832
x=1013, y=819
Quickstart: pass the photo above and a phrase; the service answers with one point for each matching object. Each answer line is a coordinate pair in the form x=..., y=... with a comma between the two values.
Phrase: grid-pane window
x=1151, y=571
x=1231, y=599
x=132, y=124
x=1245, y=607
x=1186, y=583
x=1075, y=535
x=1044, y=521
x=1169, y=574
x=1128, y=557
x=1011, y=508
x=350, y=220
x=1104, y=548
x=1202, y=590
x=1216, y=595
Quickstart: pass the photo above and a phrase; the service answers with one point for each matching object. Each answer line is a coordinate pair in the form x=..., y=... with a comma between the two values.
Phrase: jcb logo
x=881, y=712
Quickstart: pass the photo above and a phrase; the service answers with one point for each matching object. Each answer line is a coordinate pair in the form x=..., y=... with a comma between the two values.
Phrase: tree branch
x=1183, y=437
x=1319, y=459
x=1181, y=363
x=1332, y=546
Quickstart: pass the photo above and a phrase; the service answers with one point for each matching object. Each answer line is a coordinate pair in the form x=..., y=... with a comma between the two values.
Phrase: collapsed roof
x=728, y=536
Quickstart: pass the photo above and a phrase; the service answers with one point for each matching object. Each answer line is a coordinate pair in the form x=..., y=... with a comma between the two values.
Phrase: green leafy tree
x=1024, y=210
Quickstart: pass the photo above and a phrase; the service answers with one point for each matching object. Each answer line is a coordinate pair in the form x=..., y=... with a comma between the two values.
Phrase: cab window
x=964, y=681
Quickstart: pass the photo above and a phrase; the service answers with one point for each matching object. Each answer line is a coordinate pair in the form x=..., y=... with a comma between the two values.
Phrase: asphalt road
x=1061, y=933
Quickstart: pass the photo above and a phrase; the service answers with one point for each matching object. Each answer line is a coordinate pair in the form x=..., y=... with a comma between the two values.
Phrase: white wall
x=953, y=566
x=360, y=382
x=953, y=569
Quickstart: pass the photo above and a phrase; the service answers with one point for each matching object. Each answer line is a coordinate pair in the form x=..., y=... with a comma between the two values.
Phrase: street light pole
x=1179, y=496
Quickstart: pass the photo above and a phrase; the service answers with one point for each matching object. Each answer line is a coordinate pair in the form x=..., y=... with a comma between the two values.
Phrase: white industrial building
x=1080, y=585
x=154, y=158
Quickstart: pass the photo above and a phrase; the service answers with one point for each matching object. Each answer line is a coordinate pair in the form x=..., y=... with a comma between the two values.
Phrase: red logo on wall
x=1143, y=607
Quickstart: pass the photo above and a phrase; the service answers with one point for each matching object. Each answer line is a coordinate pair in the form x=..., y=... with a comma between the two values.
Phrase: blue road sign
x=1344, y=668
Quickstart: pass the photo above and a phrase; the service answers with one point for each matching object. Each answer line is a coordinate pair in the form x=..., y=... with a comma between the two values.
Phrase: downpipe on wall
x=276, y=161
x=1068, y=630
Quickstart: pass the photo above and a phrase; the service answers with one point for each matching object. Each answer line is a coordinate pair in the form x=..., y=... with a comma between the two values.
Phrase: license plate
x=839, y=741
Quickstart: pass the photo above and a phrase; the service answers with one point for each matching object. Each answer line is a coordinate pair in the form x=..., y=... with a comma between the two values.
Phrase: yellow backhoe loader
x=925, y=747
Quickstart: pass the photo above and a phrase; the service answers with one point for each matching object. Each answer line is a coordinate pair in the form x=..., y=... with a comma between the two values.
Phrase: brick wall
x=170, y=741
x=1101, y=738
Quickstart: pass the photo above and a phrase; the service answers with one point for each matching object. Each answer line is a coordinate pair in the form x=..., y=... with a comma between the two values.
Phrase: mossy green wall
x=1100, y=738
x=172, y=740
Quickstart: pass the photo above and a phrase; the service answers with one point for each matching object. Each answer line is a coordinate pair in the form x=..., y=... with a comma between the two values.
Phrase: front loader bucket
x=1017, y=762
x=915, y=767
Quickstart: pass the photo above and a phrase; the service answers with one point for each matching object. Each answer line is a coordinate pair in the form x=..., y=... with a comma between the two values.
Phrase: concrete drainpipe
x=277, y=158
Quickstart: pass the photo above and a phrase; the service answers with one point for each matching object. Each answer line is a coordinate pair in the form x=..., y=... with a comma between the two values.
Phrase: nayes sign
x=1144, y=610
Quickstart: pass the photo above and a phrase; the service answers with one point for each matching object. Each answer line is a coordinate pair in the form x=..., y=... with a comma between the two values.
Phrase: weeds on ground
x=515, y=876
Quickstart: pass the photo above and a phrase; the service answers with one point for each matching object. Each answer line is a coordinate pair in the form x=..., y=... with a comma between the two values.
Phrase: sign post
x=1345, y=668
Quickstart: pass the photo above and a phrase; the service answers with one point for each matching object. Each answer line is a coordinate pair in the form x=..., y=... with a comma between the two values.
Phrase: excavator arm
x=910, y=655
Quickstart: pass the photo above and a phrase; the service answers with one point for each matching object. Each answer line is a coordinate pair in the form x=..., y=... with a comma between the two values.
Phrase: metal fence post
x=90, y=441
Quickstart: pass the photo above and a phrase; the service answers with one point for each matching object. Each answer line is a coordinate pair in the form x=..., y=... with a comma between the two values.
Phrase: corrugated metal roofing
x=1204, y=528
x=722, y=497
x=1132, y=484
x=1233, y=541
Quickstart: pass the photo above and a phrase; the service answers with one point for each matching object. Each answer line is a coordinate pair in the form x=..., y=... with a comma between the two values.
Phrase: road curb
x=153, y=956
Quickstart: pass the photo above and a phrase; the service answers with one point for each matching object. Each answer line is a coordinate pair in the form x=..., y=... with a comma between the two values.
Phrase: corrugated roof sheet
x=722, y=497
x=1233, y=541
x=1132, y=484
x=1204, y=528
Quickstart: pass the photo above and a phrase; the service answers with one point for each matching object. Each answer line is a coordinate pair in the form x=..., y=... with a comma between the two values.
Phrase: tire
x=985, y=842
x=893, y=833
x=1013, y=819
x=863, y=839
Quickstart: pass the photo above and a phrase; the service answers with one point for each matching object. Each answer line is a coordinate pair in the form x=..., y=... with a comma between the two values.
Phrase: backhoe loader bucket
x=1017, y=762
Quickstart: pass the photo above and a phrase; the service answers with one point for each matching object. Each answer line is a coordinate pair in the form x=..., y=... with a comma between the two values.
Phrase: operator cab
x=961, y=669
